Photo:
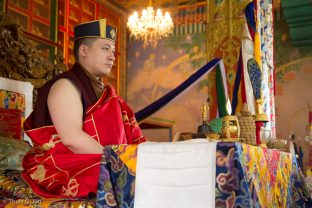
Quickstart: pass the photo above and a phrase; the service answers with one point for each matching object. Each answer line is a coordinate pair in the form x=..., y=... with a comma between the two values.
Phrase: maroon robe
x=50, y=168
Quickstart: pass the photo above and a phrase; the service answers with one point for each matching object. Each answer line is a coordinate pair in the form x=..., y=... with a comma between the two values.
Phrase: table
x=246, y=176
x=158, y=123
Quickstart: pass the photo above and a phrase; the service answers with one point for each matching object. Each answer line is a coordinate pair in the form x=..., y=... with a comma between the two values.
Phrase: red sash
x=52, y=170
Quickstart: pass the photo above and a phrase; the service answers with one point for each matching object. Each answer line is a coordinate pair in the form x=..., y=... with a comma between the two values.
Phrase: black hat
x=93, y=29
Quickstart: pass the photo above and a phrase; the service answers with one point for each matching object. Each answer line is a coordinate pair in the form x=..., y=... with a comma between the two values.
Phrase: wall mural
x=152, y=72
x=293, y=73
x=225, y=20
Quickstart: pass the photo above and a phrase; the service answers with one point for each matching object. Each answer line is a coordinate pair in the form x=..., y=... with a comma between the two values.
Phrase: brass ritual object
x=260, y=115
x=204, y=109
x=204, y=128
x=230, y=127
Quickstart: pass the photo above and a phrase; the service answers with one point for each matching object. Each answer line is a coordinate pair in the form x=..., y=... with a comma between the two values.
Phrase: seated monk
x=75, y=116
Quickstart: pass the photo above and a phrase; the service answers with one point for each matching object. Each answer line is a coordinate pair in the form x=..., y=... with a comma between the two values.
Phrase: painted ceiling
x=132, y=5
x=298, y=15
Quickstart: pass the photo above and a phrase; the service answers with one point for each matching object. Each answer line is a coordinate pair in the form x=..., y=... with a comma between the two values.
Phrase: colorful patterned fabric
x=264, y=20
x=299, y=190
x=14, y=192
x=258, y=177
x=12, y=100
x=270, y=172
x=12, y=121
x=246, y=176
x=233, y=189
x=116, y=180
x=16, y=94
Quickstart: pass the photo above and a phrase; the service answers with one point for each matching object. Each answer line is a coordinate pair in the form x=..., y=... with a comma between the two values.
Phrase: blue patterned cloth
x=116, y=182
x=233, y=187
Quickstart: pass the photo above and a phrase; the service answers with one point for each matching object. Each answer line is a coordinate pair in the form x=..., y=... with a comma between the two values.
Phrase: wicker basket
x=247, y=126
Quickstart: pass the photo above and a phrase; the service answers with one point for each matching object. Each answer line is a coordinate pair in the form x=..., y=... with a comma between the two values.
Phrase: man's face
x=99, y=57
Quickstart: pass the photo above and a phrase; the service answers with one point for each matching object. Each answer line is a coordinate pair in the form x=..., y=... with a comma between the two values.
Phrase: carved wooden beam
x=19, y=59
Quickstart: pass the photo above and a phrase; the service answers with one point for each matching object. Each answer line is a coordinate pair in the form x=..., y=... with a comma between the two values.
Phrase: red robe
x=52, y=170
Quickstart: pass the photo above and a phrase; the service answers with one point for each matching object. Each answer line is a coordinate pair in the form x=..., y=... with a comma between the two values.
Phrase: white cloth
x=176, y=175
x=248, y=53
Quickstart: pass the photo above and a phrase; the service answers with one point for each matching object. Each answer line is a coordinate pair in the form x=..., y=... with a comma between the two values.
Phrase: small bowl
x=265, y=136
x=280, y=144
x=215, y=136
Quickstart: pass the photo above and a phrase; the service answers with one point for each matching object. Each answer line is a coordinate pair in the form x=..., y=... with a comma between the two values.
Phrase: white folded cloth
x=176, y=175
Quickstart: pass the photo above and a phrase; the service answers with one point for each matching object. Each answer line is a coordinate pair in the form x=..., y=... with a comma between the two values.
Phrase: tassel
x=258, y=50
x=257, y=46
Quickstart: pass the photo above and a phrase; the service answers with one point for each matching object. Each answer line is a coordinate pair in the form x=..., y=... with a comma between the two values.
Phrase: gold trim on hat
x=102, y=25
x=114, y=41
x=86, y=23
x=113, y=33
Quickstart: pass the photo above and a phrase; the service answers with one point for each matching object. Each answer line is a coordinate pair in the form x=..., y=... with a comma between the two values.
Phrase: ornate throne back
x=19, y=60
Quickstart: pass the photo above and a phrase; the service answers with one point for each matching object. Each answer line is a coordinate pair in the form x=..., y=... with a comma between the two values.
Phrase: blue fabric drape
x=237, y=83
x=250, y=15
x=155, y=106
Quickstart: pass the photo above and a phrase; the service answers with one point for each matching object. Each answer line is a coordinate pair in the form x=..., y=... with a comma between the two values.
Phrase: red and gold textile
x=12, y=112
x=52, y=170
